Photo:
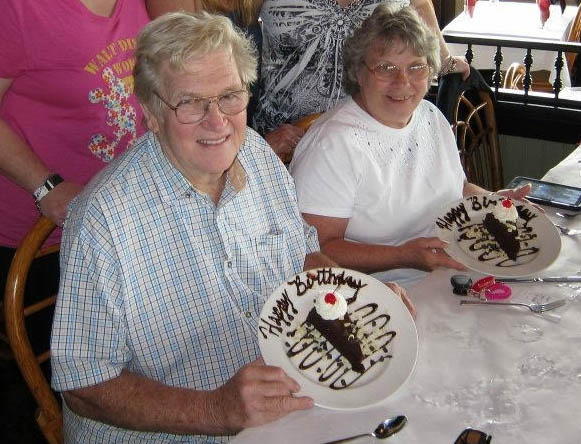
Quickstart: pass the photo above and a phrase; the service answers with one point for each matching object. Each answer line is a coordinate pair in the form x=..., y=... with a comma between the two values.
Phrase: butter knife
x=541, y=279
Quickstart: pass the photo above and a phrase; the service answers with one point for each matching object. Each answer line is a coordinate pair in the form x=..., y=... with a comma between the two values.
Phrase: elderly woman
x=170, y=253
x=302, y=59
x=372, y=174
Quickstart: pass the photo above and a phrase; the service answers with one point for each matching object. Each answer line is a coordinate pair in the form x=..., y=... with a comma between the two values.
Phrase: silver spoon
x=384, y=430
x=568, y=231
x=567, y=215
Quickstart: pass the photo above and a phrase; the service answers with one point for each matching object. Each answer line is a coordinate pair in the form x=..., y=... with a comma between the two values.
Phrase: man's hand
x=283, y=140
x=256, y=395
x=54, y=205
x=427, y=253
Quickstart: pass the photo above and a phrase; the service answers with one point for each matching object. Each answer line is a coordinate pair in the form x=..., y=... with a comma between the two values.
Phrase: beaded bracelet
x=448, y=66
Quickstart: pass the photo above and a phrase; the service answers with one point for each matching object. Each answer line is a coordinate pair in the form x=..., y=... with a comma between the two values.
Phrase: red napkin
x=544, y=8
x=470, y=5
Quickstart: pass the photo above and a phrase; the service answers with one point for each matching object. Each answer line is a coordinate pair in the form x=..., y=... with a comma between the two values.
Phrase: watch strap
x=52, y=181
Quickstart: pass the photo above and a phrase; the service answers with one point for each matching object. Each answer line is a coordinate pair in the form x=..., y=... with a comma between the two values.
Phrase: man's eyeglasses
x=384, y=71
x=193, y=110
x=471, y=436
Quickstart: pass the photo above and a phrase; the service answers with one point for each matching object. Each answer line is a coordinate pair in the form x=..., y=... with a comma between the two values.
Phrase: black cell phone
x=552, y=194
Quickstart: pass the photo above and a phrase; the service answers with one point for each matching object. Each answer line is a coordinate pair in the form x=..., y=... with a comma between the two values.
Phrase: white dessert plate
x=460, y=224
x=325, y=375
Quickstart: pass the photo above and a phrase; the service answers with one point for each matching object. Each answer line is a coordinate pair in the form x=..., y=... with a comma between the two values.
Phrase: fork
x=535, y=308
x=568, y=231
x=567, y=215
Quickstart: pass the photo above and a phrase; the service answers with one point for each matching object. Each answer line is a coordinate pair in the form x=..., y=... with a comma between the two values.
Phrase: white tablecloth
x=506, y=371
x=512, y=20
x=568, y=171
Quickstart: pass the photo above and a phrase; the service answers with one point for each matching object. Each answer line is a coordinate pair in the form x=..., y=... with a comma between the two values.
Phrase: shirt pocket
x=272, y=257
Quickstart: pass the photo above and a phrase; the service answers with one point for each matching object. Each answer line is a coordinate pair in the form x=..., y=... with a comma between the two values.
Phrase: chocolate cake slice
x=505, y=234
x=342, y=335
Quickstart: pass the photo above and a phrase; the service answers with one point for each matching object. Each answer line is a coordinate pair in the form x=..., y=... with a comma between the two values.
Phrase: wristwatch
x=52, y=181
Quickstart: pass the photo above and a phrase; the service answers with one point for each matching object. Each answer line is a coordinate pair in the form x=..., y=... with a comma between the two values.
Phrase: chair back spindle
x=474, y=124
x=49, y=415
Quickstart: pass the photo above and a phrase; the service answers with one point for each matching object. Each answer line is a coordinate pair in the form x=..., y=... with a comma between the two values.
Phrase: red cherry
x=330, y=298
x=507, y=203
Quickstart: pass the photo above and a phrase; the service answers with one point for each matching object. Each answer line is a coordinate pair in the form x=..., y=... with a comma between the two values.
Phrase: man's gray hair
x=178, y=37
x=386, y=26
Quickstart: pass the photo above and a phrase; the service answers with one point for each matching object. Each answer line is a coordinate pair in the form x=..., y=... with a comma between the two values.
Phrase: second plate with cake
x=482, y=235
x=376, y=332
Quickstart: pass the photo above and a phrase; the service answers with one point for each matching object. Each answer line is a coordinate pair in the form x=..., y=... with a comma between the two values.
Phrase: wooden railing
x=527, y=112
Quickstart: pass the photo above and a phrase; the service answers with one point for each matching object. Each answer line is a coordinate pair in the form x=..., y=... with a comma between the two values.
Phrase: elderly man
x=170, y=253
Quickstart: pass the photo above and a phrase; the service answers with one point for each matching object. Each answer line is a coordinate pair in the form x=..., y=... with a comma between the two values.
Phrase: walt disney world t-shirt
x=71, y=98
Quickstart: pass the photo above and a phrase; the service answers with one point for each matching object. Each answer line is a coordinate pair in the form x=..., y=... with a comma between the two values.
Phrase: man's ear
x=151, y=121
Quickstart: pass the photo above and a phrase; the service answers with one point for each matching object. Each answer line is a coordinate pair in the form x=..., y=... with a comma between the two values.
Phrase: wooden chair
x=305, y=122
x=48, y=415
x=514, y=76
x=474, y=124
x=571, y=57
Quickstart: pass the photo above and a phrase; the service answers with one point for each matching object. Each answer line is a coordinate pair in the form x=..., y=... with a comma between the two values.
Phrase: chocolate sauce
x=483, y=243
x=479, y=240
x=310, y=348
x=307, y=347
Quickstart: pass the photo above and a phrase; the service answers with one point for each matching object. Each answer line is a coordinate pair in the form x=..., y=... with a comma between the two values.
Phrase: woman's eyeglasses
x=383, y=71
x=471, y=436
x=194, y=110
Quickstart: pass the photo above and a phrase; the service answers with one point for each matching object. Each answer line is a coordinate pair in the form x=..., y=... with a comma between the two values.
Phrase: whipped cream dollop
x=331, y=305
x=505, y=211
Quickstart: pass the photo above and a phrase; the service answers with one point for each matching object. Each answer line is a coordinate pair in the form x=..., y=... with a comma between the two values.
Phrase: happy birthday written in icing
x=326, y=276
x=283, y=310
x=459, y=215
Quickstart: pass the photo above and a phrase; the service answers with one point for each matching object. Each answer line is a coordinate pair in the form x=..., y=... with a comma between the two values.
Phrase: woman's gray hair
x=388, y=24
x=177, y=38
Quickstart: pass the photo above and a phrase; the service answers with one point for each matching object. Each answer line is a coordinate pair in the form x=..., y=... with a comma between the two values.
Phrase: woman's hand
x=427, y=253
x=455, y=64
x=283, y=140
x=462, y=67
x=519, y=193
x=400, y=291
x=55, y=204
